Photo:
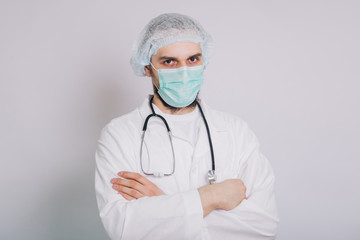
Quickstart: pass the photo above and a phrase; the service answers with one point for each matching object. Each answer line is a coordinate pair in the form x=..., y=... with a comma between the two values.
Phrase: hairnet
x=166, y=29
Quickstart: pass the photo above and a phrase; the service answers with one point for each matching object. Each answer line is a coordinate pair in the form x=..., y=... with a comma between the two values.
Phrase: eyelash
x=168, y=61
x=191, y=59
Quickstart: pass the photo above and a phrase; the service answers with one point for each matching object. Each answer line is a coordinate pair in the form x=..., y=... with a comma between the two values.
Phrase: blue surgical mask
x=179, y=86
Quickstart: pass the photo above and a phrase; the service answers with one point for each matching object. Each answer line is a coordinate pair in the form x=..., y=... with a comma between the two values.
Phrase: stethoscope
x=211, y=173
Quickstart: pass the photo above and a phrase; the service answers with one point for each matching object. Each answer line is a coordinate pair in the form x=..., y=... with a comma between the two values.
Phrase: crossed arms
x=132, y=207
x=225, y=195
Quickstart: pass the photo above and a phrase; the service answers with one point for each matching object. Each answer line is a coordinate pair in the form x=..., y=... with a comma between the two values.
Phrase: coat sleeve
x=177, y=216
x=256, y=216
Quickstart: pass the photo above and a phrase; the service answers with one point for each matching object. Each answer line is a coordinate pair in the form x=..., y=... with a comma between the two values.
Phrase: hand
x=225, y=195
x=132, y=185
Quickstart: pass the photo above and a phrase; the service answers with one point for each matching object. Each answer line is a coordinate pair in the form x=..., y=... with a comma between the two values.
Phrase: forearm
x=208, y=200
x=225, y=195
x=162, y=217
x=248, y=220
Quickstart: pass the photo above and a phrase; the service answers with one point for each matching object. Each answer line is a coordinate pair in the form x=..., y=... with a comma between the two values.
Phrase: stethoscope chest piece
x=211, y=176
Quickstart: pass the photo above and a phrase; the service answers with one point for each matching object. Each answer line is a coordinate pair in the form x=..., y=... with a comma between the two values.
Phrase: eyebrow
x=166, y=57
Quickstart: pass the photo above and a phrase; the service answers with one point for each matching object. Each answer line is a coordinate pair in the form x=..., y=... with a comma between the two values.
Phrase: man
x=155, y=184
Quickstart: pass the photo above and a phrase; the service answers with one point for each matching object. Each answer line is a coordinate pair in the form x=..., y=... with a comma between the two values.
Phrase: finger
x=135, y=176
x=129, y=191
x=127, y=197
x=129, y=183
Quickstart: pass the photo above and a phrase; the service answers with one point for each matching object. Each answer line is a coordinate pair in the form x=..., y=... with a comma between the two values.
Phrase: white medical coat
x=179, y=213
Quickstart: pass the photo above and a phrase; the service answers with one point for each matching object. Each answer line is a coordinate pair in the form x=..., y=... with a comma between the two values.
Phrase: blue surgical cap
x=166, y=29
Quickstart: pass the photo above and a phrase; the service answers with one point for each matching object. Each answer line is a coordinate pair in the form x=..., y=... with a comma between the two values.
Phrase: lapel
x=219, y=132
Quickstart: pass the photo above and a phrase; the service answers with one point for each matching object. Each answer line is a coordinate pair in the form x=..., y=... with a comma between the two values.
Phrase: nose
x=182, y=64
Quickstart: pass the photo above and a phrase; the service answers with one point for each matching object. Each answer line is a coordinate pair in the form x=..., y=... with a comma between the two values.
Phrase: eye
x=169, y=61
x=193, y=59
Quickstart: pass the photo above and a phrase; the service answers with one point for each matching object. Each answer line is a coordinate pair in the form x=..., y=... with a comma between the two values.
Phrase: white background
x=289, y=68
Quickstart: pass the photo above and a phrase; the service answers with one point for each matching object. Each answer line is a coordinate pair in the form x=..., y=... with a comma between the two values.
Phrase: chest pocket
x=223, y=147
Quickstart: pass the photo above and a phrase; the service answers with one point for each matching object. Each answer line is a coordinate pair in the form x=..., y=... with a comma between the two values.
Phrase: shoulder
x=224, y=121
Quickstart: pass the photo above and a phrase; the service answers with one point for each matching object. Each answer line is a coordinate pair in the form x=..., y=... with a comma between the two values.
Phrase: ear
x=147, y=70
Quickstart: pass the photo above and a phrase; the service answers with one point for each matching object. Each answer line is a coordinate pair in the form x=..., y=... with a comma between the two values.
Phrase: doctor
x=194, y=172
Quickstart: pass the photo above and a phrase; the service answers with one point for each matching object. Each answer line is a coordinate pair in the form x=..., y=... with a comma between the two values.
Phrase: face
x=174, y=55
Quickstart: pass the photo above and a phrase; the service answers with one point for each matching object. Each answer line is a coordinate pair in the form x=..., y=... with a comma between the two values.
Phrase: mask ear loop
x=152, y=78
x=153, y=67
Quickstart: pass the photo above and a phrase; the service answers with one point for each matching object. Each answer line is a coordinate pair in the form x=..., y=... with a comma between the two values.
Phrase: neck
x=180, y=111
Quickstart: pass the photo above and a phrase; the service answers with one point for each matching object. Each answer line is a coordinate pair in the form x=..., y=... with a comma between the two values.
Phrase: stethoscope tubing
x=211, y=173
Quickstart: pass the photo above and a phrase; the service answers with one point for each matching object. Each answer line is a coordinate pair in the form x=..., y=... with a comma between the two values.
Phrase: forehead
x=180, y=50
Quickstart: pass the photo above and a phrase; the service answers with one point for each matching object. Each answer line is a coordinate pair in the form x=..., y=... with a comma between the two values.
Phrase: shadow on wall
x=111, y=96
x=72, y=211
x=68, y=208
